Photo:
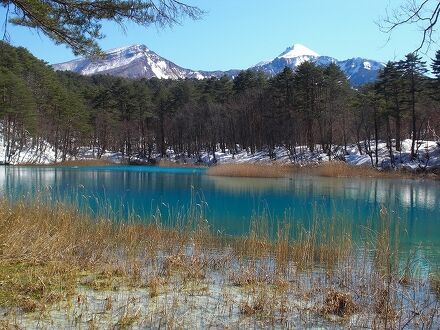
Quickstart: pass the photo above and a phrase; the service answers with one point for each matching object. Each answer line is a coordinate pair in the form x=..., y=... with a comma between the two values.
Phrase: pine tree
x=279, y=119
x=436, y=65
x=77, y=24
x=413, y=71
x=436, y=71
x=336, y=91
x=390, y=86
x=309, y=80
x=17, y=110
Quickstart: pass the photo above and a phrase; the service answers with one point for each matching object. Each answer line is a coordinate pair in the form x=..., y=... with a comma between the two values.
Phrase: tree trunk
x=413, y=113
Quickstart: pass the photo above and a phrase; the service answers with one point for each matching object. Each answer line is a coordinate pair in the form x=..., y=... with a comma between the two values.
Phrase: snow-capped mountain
x=138, y=61
x=359, y=71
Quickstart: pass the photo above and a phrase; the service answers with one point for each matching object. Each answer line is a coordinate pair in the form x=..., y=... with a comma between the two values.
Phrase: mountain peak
x=131, y=48
x=137, y=61
x=297, y=50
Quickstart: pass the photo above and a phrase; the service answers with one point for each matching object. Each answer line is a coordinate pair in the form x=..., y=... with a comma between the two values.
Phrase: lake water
x=230, y=203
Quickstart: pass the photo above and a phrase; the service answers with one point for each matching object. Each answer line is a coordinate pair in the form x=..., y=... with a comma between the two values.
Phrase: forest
x=312, y=107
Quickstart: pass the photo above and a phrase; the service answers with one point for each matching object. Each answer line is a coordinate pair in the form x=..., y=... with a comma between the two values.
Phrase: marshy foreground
x=60, y=268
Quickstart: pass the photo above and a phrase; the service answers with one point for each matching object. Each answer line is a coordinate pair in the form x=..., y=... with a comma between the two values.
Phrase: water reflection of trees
x=395, y=193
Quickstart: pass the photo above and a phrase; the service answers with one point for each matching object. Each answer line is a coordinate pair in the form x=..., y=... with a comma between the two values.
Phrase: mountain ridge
x=138, y=61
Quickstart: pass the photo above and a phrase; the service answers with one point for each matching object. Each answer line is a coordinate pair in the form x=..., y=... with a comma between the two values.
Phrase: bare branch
x=424, y=14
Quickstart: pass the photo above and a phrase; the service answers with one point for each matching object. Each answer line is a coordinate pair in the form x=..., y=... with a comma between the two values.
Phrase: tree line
x=309, y=108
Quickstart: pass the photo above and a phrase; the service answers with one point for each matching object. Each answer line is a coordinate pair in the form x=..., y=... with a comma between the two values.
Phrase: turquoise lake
x=230, y=203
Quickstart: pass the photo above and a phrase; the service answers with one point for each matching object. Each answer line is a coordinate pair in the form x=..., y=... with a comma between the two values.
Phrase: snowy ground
x=43, y=153
x=428, y=155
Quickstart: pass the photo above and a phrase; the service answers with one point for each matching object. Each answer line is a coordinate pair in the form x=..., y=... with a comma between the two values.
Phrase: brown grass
x=45, y=247
x=250, y=170
x=434, y=280
x=46, y=252
x=339, y=303
x=33, y=286
x=334, y=169
x=338, y=169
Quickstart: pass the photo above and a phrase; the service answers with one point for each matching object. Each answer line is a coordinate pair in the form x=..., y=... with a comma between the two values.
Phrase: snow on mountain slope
x=137, y=61
x=359, y=71
x=298, y=50
x=291, y=57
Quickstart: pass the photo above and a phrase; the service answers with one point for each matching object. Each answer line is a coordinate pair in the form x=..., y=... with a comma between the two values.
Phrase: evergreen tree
x=279, y=118
x=336, y=91
x=436, y=65
x=17, y=110
x=162, y=100
x=104, y=115
x=309, y=79
x=143, y=118
x=436, y=71
x=390, y=86
x=413, y=71
x=77, y=24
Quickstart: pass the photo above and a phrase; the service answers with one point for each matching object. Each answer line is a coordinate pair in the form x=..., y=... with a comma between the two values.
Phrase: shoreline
x=335, y=169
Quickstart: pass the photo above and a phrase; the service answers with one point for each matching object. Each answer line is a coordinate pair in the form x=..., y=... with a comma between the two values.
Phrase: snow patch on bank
x=428, y=156
x=43, y=153
x=362, y=154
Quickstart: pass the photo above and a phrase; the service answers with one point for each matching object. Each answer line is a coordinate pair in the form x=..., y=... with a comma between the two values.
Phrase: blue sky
x=240, y=33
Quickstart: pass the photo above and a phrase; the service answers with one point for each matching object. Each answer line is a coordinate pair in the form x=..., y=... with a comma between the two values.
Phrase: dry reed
x=344, y=170
x=337, y=169
x=334, y=169
x=46, y=251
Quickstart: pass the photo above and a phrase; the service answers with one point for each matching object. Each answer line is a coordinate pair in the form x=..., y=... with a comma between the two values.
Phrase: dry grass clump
x=247, y=276
x=104, y=282
x=250, y=170
x=191, y=267
x=337, y=169
x=127, y=321
x=341, y=170
x=339, y=303
x=384, y=306
x=37, y=233
x=252, y=308
x=334, y=169
x=46, y=249
x=34, y=286
x=434, y=281
x=155, y=285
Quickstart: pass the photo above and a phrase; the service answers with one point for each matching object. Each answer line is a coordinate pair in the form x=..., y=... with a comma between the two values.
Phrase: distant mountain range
x=137, y=61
